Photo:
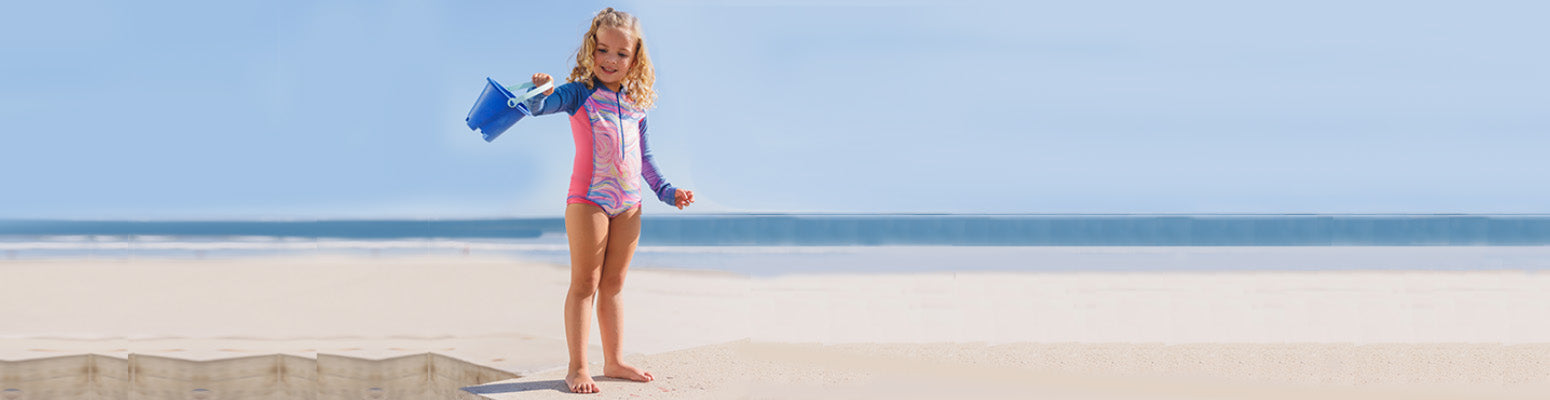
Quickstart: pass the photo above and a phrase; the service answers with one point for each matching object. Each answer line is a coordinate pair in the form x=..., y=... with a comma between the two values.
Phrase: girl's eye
x=623, y=55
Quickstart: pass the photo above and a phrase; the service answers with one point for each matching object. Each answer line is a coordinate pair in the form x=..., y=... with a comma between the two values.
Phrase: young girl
x=607, y=97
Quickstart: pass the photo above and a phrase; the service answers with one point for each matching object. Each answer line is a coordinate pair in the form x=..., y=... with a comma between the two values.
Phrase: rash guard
x=611, y=151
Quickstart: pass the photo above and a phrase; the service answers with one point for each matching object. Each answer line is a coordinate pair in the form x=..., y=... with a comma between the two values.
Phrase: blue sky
x=354, y=109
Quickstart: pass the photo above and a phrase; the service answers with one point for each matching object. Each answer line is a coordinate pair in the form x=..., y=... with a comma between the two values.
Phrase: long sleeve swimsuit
x=611, y=152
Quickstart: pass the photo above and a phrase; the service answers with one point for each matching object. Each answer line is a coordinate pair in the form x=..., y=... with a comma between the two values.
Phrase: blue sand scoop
x=497, y=108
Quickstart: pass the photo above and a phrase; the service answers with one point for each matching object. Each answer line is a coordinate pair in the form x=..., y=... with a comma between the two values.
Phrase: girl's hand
x=683, y=198
x=539, y=79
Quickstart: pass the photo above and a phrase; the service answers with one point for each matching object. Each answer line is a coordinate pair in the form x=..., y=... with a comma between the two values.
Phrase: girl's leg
x=586, y=228
x=623, y=235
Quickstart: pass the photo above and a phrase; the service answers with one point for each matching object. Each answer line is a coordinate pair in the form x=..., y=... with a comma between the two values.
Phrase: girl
x=607, y=96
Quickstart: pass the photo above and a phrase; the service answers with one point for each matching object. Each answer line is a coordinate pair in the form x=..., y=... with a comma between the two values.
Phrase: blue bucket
x=497, y=108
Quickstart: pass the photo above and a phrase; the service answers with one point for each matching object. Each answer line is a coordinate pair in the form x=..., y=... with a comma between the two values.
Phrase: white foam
x=271, y=243
x=64, y=246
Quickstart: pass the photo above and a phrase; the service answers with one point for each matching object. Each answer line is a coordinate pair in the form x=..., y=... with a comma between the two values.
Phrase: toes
x=583, y=388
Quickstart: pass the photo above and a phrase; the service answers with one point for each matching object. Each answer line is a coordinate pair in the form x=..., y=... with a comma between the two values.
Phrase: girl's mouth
x=605, y=69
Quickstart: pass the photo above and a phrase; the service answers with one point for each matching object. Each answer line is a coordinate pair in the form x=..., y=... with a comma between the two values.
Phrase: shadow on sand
x=557, y=385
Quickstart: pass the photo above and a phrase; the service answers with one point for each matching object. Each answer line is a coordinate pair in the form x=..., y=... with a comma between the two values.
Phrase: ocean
x=772, y=244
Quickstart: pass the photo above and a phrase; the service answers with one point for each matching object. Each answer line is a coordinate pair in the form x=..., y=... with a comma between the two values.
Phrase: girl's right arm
x=565, y=98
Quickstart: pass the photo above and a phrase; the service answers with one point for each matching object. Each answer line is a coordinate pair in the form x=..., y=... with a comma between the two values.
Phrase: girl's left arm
x=665, y=191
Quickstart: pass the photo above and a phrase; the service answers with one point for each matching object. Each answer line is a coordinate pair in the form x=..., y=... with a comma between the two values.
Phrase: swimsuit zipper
x=619, y=122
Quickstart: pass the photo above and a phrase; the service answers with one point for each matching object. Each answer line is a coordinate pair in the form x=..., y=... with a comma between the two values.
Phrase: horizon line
x=795, y=214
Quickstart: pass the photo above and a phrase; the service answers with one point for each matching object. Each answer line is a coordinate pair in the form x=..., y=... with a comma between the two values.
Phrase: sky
x=354, y=109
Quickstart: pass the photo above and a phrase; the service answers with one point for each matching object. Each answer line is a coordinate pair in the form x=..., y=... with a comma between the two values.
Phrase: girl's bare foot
x=579, y=381
x=626, y=371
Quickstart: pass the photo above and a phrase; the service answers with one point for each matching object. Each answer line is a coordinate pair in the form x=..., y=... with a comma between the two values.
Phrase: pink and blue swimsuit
x=611, y=152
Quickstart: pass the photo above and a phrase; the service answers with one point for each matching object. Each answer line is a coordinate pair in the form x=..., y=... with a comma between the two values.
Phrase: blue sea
x=766, y=244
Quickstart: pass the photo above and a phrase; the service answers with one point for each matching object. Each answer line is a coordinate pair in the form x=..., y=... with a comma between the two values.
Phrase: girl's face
x=613, y=57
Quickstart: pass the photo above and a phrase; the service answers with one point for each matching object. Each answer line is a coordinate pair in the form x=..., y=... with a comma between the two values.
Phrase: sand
x=1474, y=334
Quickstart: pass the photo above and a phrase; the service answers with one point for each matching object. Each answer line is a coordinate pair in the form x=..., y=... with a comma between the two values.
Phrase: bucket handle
x=527, y=92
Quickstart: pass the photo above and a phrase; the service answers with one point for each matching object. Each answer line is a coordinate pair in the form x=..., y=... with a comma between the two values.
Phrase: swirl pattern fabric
x=607, y=127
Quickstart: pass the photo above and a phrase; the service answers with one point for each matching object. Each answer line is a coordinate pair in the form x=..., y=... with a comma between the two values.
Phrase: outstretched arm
x=565, y=97
x=664, y=191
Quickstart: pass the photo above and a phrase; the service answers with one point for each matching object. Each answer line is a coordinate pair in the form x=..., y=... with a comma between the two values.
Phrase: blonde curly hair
x=638, y=80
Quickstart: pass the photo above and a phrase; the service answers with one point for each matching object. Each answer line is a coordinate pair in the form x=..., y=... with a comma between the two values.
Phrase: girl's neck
x=616, y=86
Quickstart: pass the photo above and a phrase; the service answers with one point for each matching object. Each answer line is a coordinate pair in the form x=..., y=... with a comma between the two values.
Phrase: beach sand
x=1369, y=334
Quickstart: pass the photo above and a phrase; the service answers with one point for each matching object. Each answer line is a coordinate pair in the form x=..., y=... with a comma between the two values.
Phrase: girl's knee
x=611, y=286
x=584, y=288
